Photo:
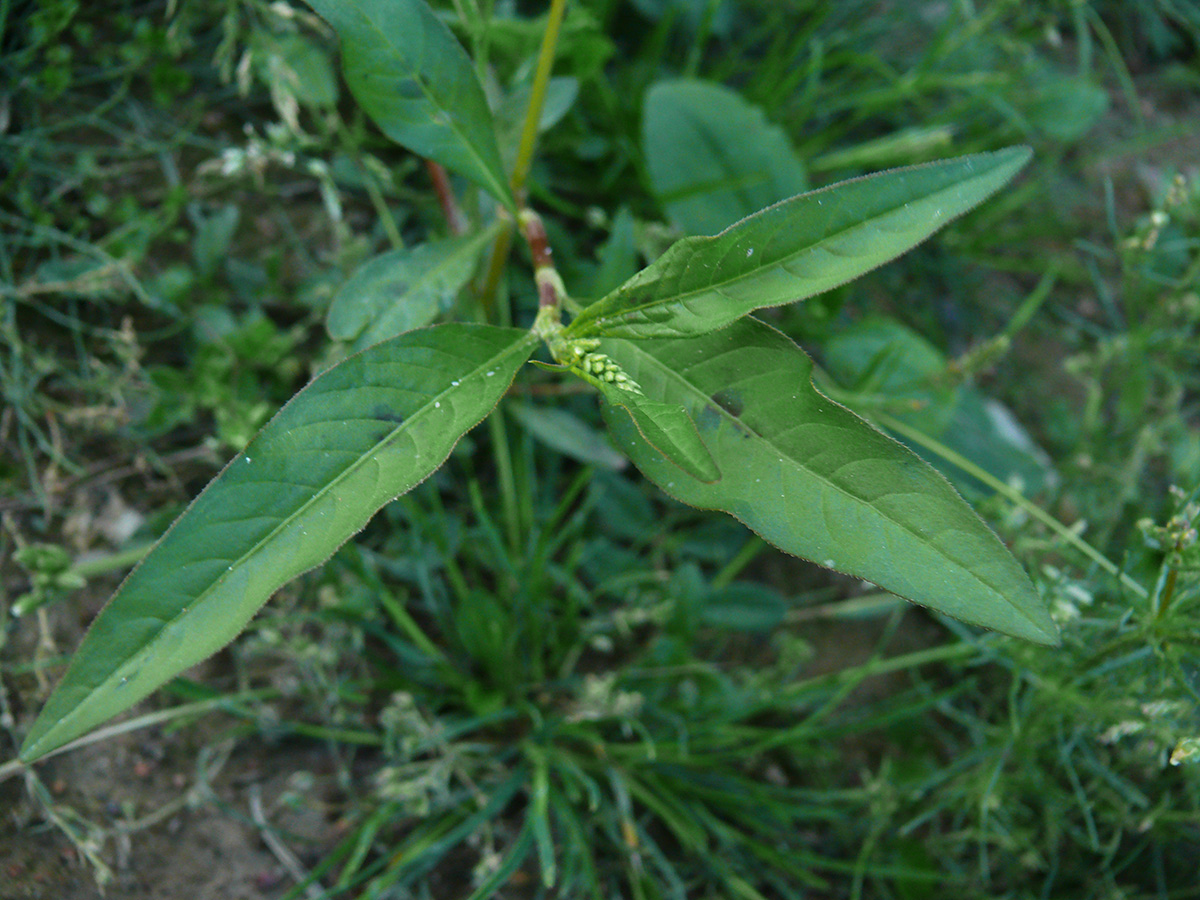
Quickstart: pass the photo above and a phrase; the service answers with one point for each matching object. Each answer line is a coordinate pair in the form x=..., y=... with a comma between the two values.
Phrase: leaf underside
x=819, y=482
x=795, y=249
x=360, y=434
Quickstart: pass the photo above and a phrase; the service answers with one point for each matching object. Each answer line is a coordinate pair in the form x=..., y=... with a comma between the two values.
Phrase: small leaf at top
x=819, y=482
x=670, y=430
x=665, y=426
x=362, y=433
x=411, y=76
x=795, y=249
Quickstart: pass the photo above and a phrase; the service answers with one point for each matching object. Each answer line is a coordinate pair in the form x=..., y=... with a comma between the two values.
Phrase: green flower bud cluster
x=602, y=367
x=581, y=356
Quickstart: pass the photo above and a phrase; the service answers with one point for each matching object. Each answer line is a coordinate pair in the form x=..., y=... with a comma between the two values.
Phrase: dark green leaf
x=410, y=75
x=712, y=157
x=360, y=434
x=795, y=249
x=819, y=482
x=743, y=606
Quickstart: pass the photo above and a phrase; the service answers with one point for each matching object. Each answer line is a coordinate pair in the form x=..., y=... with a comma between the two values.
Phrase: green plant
x=715, y=407
x=711, y=404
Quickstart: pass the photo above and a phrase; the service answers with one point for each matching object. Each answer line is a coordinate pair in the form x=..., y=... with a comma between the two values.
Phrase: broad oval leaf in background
x=712, y=157
x=403, y=289
x=411, y=76
x=360, y=434
x=795, y=249
x=886, y=366
x=818, y=482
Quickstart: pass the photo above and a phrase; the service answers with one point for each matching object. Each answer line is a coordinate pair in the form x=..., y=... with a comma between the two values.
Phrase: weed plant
x=534, y=675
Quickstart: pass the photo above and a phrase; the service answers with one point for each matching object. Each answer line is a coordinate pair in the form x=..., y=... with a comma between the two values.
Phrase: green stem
x=529, y=132
x=1168, y=592
x=378, y=201
x=537, y=98
x=496, y=264
x=504, y=473
x=123, y=559
x=744, y=557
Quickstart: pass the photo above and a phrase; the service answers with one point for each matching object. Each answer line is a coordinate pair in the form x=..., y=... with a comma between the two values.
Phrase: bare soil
x=198, y=839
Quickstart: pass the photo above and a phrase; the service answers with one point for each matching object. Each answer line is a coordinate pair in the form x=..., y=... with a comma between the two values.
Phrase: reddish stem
x=441, y=183
x=535, y=235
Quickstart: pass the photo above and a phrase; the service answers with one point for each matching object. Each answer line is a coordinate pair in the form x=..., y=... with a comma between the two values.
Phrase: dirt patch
x=169, y=820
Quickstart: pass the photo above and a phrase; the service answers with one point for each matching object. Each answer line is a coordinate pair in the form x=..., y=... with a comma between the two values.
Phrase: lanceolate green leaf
x=359, y=435
x=795, y=249
x=403, y=289
x=819, y=482
x=410, y=75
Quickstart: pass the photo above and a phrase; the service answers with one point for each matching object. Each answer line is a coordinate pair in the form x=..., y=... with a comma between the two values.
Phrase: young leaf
x=403, y=289
x=795, y=249
x=712, y=157
x=664, y=426
x=670, y=431
x=819, y=482
x=359, y=435
x=410, y=75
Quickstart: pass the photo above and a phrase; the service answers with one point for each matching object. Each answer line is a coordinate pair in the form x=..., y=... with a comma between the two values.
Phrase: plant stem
x=537, y=98
x=504, y=474
x=533, y=116
x=122, y=559
x=1168, y=592
x=496, y=264
x=753, y=546
x=445, y=194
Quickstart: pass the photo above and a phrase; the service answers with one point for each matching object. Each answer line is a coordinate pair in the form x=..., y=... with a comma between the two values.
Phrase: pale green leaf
x=795, y=249
x=819, y=482
x=359, y=435
x=411, y=76
x=569, y=435
x=403, y=289
x=712, y=157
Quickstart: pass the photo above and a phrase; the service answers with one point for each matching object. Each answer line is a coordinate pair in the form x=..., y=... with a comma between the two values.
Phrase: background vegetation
x=536, y=675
